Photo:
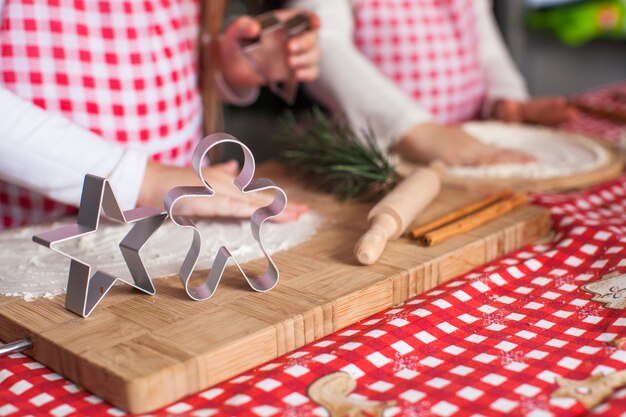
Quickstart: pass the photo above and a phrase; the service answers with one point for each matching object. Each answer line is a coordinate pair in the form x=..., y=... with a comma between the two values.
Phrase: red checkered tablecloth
x=489, y=343
x=609, y=130
x=608, y=99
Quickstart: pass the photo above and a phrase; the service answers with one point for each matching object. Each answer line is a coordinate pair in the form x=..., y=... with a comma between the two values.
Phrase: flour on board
x=558, y=154
x=29, y=271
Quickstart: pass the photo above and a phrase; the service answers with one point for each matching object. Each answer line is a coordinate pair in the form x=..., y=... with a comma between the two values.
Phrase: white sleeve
x=235, y=96
x=242, y=96
x=49, y=154
x=350, y=85
x=502, y=77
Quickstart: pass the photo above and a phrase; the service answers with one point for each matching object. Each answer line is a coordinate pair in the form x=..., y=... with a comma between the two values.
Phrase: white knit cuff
x=239, y=96
x=127, y=177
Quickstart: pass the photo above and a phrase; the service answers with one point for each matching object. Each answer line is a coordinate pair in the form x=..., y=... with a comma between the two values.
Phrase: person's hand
x=303, y=51
x=228, y=200
x=548, y=111
x=428, y=142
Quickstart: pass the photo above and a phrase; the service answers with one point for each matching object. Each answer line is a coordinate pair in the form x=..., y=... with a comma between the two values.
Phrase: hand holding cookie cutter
x=246, y=182
x=85, y=291
x=267, y=54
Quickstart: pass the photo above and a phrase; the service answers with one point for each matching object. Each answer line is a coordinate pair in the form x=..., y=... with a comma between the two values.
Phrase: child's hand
x=303, y=51
x=548, y=111
x=431, y=141
x=228, y=200
x=235, y=67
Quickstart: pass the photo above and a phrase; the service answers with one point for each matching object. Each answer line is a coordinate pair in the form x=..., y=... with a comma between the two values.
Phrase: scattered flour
x=558, y=153
x=29, y=271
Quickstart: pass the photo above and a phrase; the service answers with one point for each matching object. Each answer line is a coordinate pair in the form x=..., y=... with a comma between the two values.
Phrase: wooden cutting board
x=141, y=353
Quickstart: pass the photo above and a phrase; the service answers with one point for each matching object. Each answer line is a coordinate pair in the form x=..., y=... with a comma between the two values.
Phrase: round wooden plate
x=612, y=168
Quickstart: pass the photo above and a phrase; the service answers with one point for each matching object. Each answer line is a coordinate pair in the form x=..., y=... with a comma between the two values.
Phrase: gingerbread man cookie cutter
x=246, y=183
x=84, y=290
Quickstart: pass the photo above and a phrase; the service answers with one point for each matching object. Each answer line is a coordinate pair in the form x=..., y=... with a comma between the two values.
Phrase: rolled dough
x=30, y=271
x=558, y=154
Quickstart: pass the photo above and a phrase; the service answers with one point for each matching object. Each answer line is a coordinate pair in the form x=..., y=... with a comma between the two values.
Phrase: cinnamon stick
x=474, y=220
x=419, y=231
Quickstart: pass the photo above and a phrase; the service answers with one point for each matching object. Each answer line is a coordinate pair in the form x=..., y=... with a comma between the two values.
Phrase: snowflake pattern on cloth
x=490, y=342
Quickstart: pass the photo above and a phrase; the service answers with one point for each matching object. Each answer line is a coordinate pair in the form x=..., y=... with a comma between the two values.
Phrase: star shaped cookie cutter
x=246, y=182
x=85, y=291
x=267, y=54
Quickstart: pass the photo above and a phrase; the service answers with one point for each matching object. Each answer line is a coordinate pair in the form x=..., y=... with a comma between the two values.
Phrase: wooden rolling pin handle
x=408, y=198
x=371, y=245
x=390, y=217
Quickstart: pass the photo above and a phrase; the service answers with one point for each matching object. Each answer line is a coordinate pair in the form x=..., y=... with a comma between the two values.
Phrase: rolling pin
x=396, y=211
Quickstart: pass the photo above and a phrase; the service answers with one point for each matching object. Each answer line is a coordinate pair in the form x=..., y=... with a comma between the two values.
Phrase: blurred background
x=562, y=47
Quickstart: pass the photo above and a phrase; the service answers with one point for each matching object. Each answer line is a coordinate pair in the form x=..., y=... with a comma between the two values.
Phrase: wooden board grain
x=141, y=353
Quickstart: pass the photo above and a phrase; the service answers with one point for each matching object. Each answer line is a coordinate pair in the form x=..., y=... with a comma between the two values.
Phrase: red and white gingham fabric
x=597, y=127
x=124, y=69
x=429, y=48
x=489, y=343
x=611, y=98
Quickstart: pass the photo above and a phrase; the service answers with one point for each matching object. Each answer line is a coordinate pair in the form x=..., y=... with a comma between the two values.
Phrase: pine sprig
x=333, y=158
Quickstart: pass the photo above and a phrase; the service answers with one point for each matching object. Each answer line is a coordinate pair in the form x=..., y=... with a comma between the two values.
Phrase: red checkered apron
x=125, y=70
x=429, y=48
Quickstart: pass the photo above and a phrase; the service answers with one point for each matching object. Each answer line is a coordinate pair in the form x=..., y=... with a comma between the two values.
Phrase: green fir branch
x=333, y=158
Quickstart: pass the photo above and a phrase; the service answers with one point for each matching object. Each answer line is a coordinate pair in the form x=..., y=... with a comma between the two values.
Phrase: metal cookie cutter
x=15, y=347
x=268, y=53
x=84, y=291
x=246, y=182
